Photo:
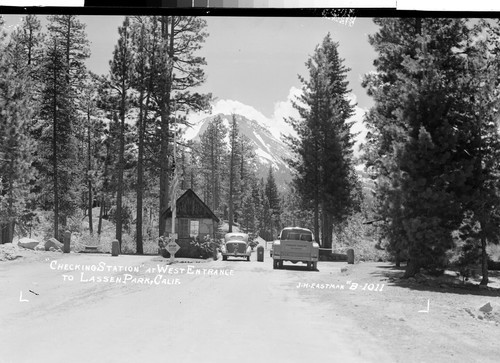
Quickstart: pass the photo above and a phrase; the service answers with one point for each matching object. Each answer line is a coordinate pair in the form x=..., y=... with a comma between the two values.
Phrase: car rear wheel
x=275, y=264
x=314, y=266
x=224, y=258
x=280, y=264
x=308, y=265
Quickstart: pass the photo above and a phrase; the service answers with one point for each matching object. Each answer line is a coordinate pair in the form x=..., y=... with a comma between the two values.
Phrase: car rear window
x=296, y=235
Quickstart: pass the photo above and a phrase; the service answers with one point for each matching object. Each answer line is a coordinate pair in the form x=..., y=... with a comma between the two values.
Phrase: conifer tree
x=62, y=75
x=94, y=133
x=57, y=143
x=16, y=146
x=420, y=134
x=273, y=198
x=212, y=155
x=482, y=203
x=233, y=169
x=265, y=213
x=325, y=175
x=256, y=202
x=27, y=46
x=121, y=82
x=177, y=71
x=142, y=82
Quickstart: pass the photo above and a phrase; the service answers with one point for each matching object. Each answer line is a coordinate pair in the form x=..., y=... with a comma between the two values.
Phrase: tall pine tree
x=121, y=82
x=421, y=134
x=325, y=175
x=16, y=146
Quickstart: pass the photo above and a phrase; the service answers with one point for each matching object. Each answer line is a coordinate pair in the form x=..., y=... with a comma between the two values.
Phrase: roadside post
x=350, y=256
x=215, y=252
x=115, y=248
x=260, y=253
x=67, y=242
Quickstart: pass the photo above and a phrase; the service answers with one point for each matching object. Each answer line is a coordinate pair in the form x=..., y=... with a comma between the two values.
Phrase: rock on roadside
x=9, y=252
x=486, y=308
x=28, y=243
x=53, y=243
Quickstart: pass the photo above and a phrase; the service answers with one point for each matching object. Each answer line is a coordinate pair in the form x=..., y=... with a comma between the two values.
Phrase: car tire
x=309, y=265
x=280, y=264
x=314, y=266
x=224, y=258
x=275, y=264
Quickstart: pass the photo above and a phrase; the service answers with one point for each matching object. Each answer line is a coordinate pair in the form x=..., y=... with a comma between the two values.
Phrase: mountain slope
x=269, y=150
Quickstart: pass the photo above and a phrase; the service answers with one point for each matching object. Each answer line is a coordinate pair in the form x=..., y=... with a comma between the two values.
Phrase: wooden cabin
x=194, y=220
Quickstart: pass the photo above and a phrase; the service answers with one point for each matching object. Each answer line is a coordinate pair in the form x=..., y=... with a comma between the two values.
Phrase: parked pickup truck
x=295, y=244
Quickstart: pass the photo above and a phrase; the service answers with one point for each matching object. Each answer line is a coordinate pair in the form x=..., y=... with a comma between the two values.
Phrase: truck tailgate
x=296, y=249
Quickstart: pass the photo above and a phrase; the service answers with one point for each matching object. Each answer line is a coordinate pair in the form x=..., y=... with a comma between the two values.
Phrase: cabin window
x=194, y=228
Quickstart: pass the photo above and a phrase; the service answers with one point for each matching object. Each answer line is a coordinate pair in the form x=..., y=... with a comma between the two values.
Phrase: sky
x=253, y=63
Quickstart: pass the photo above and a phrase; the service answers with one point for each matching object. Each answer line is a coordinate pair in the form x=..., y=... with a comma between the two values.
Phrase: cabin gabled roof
x=189, y=205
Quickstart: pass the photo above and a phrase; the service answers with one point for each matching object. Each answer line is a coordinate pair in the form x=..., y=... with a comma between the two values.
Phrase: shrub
x=208, y=246
x=468, y=259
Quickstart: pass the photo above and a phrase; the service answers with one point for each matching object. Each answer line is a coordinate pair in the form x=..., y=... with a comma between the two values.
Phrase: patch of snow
x=191, y=132
x=258, y=137
x=264, y=156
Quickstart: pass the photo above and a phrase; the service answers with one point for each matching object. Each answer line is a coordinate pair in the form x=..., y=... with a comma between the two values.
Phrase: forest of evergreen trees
x=71, y=140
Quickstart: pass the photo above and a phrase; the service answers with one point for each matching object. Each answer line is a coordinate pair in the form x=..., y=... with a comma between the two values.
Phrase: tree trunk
x=140, y=187
x=412, y=268
x=327, y=230
x=484, y=260
x=164, y=172
x=398, y=258
x=101, y=211
x=121, y=162
x=6, y=232
x=213, y=171
x=140, y=174
x=164, y=117
x=54, y=151
x=316, y=222
x=91, y=224
x=231, y=178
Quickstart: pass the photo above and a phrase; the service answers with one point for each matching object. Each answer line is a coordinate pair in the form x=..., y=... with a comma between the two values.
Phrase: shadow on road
x=235, y=260
x=445, y=284
x=297, y=268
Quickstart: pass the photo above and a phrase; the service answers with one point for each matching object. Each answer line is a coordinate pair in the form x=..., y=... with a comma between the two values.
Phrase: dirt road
x=98, y=308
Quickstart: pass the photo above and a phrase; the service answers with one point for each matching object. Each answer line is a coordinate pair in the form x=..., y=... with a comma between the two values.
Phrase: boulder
x=29, y=243
x=9, y=251
x=53, y=243
x=40, y=247
x=486, y=308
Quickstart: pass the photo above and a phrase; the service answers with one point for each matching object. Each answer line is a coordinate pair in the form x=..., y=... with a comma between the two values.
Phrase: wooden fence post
x=350, y=256
x=115, y=248
x=67, y=242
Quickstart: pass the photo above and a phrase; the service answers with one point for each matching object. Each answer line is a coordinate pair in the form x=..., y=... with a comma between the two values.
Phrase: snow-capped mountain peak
x=269, y=150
